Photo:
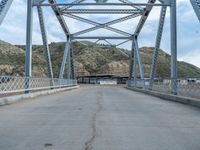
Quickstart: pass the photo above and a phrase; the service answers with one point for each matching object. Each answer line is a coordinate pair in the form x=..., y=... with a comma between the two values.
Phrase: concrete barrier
x=180, y=99
x=13, y=99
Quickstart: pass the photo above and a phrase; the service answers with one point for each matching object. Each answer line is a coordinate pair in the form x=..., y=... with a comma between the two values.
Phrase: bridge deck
x=99, y=118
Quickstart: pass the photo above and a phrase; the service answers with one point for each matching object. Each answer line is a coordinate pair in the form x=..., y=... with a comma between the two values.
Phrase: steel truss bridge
x=72, y=10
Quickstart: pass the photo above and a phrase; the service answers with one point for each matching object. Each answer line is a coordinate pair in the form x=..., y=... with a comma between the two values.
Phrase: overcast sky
x=13, y=29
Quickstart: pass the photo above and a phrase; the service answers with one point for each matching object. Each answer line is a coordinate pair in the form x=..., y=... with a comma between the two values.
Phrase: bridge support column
x=65, y=57
x=69, y=64
x=137, y=52
x=45, y=43
x=131, y=62
x=157, y=46
x=135, y=64
x=72, y=63
x=28, y=63
x=173, y=47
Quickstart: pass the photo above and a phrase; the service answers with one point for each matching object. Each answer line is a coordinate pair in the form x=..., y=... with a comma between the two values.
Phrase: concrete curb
x=180, y=99
x=13, y=99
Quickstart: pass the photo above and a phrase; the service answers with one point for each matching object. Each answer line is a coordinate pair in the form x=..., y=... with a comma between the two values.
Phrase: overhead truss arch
x=130, y=10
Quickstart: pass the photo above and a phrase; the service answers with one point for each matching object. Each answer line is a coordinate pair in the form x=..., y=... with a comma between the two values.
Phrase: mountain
x=89, y=59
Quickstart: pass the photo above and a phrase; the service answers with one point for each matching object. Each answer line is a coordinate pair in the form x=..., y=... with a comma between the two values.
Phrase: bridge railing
x=185, y=87
x=11, y=84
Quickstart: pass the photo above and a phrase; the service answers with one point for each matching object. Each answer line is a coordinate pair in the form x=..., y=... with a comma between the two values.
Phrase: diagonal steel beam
x=122, y=43
x=157, y=46
x=4, y=7
x=45, y=43
x=129, y=2
x=73, y=4
x=137, y=50
x=65, y=57
x=98, y=25
x=196, y=7
x=60, y=18
x=144, y=17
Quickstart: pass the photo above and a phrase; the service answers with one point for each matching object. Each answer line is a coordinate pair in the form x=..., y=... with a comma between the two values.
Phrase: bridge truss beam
x=67, y=9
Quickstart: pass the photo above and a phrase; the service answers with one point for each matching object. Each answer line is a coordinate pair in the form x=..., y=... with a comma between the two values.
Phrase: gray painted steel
x=196, y=6
x=157, y=46
x=106, y=118
x=29, y=28
x=131, y=59
x=4, y=7
x=173, y=46
x=139, y=59
x=65, y=57
x=45, y=42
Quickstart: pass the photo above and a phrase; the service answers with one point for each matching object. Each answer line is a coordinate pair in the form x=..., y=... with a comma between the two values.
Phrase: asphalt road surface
x=99, y=118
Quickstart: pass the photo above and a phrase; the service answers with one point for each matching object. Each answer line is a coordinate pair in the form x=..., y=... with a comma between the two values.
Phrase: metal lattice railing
x=10, y=84
x=185, y=87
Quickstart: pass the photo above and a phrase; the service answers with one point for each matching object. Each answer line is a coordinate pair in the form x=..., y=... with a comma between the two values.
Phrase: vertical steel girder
x=45, y=42
x=29, y=28
x=131, y=62
x=173, y=20
x=157, y=46
x=135, y=63
x=71, y=62
x=68, y=65
x=196, y=7
x=138, y=58
x=65, y=57
x=28, y=60
x=4, y=7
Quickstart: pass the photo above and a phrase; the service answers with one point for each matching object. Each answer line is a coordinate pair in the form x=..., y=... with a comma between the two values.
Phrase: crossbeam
x=101, y=37
x=101, y=4
x=101, y=11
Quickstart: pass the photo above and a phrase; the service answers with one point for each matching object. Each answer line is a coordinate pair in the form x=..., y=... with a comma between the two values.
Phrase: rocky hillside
x=89, y=59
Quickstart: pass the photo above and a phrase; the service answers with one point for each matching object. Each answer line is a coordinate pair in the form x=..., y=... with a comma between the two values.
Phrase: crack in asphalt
x=88, y=143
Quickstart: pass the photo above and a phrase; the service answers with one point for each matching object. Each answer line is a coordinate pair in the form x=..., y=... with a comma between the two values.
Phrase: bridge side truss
x=137, y=9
